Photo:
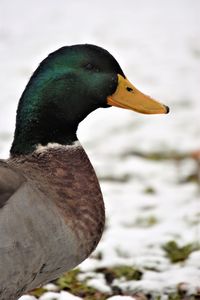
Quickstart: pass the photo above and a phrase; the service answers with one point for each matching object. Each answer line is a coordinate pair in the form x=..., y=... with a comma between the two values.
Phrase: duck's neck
x=29, y=137
x=40, y=120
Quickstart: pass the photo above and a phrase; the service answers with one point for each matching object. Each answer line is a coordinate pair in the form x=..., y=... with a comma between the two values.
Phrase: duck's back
x=51, y=220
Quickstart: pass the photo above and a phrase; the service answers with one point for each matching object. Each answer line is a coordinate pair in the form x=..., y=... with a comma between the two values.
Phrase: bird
x=51, y=206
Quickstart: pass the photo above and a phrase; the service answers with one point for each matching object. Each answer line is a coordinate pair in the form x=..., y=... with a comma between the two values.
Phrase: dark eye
x=91, y=67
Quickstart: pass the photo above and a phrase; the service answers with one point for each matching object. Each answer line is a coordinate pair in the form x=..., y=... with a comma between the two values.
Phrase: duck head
x=68, y=85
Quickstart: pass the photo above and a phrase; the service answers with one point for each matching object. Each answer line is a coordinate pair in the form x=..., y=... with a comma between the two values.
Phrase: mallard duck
x=51, y=206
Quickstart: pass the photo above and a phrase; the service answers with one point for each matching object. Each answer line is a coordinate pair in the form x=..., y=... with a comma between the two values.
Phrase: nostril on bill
x=129, y=89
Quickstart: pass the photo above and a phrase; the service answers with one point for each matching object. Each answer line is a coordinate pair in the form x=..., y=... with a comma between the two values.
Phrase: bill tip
x=167, y=109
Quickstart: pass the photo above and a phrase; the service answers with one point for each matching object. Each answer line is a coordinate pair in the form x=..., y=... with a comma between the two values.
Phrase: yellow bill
x=127, y=96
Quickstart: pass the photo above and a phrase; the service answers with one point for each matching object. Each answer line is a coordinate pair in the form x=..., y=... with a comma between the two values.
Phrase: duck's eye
x=129, y=89
x=91, y=67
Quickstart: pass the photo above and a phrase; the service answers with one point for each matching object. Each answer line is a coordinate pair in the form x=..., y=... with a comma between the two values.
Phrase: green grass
x=70, y=283
x=127, y=272
x=176, y=253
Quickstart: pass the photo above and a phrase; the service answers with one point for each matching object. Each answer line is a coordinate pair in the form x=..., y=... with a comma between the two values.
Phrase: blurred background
x=148, y=166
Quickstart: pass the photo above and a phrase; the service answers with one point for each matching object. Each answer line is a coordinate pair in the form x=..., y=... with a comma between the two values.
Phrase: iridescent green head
x=68, y=85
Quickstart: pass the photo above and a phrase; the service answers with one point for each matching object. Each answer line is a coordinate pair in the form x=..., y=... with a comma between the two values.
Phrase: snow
x=99, y=283
x=27, y=298
x=51, y=287
x=121, y=298
x=157, y=45
x=62, y=296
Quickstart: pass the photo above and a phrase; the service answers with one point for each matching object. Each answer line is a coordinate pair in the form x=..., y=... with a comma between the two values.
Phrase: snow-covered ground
x=148, y=201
